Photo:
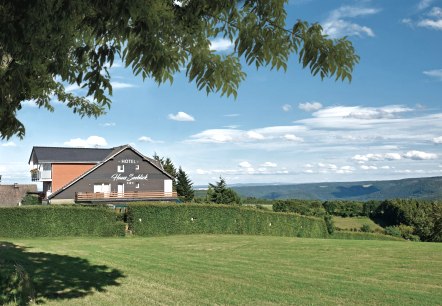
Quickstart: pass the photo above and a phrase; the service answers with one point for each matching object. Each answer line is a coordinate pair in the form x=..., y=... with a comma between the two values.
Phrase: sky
x=284, y=127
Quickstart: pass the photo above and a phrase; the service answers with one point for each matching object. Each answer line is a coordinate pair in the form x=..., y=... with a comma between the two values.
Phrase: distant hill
x=422, y=188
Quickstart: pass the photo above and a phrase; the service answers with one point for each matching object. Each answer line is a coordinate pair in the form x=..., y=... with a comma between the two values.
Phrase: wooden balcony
x=125, y=196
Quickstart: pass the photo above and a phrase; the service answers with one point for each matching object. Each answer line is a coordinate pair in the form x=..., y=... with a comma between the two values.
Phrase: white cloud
x=366, y=167
x=272, y=133
x=345, y=170
x=423, y=4
x=310, y=106
x=221, y=44
x=377, y=157
x=337, y=25
x=437, y=140
x=8, y=144
x=72, y=87
x=328, y=166
x=436, y=12
x=286, y=107
x=202, y=172
x=91, y=141
x=433, y=19
x=254, y=135
x=145, y=139
x=430, y=23
x=435, y=73
x=231, y=115
x=349, y=117
x=216, y=136
x=419, y=155
x=269, y=165
x=108, y=124
x=407, y=21
x=121, y=85
x=291, y=137
x=181, y=116
x=232, y=126
x=364, y=113
x=245, y=164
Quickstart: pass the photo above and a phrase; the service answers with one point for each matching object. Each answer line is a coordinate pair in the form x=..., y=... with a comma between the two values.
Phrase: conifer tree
x=168, y=166
x=184, y=186
x=221, y=194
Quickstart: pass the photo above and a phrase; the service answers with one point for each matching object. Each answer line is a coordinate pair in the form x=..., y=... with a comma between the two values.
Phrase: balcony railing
x=124, y=196
x=41, y=175
x=35, y=176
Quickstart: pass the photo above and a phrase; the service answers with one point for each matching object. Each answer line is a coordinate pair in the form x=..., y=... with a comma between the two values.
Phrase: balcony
x=125, y=196
x=37, y=175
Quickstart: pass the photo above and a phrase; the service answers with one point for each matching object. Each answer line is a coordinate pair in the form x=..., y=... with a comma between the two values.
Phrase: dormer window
x=120, y=168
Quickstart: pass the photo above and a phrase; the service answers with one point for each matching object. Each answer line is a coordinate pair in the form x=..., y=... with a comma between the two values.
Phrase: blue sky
x=283, y=127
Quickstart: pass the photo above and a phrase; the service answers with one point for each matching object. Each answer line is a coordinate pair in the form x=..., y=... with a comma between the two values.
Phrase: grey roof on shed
x=74, y=155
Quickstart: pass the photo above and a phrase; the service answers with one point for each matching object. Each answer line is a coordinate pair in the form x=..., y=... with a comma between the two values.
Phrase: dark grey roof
x=74, y=155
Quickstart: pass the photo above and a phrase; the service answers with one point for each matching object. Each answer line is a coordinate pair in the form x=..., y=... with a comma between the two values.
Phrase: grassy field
x=355, y=222
x=217, y=269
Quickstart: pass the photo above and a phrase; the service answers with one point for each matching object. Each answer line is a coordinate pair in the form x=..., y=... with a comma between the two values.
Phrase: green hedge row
x=156, y=219
x=55, y=221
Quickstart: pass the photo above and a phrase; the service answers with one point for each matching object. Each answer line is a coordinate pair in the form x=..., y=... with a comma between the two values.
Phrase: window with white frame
x=120, y=168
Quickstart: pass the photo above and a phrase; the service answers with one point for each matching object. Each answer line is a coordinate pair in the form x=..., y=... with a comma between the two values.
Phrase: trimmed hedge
x=156, y=219
x=56, y=221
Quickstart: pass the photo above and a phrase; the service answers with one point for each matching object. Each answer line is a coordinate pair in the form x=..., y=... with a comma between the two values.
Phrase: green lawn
x=355, y=222
x=228, y=269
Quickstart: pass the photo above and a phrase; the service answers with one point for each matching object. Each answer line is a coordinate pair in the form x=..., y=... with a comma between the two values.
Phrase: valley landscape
x=190, y=152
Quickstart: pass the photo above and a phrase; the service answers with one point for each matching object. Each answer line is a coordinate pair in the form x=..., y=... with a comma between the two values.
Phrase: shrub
x=344, y=208
x=302, y=207
x=15, y=285
x=153, y=219
x=329, y=224
x=54, y=221
x=370, y=207
x=403, y=231
x=424, y=216
x=365, y=228
x=393, y=231
x=30, y=199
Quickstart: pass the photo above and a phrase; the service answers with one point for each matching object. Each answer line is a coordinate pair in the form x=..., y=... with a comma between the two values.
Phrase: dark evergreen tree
x=219, y=193
x=184, y=186
x=168, y=166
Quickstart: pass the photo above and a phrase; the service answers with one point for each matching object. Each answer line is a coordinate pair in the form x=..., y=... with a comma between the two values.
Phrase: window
x=102, y=188
x=137, y=185
x=120, y=168
x=137, y=167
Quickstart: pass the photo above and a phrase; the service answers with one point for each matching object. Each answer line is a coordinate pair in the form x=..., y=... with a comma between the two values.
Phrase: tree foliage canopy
x=184, y=186
x=219, y=193
x=46, y=44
